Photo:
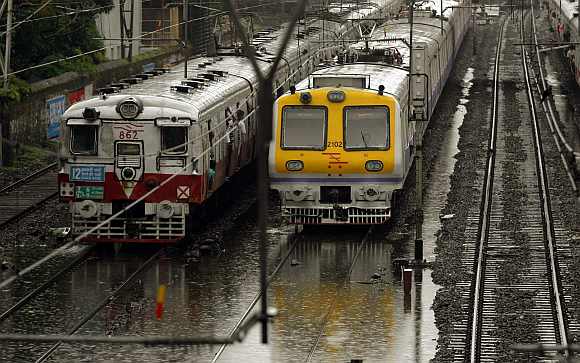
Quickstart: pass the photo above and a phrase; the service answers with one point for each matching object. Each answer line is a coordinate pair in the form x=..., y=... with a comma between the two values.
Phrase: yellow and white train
x=343, y=140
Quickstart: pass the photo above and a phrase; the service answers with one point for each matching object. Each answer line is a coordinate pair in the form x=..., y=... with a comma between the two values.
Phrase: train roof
x=232, y=73
x=426, y=30
x=393, y=78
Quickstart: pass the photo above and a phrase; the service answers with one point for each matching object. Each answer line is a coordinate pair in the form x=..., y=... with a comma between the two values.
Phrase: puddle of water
x=370, y=321
x=439, y=184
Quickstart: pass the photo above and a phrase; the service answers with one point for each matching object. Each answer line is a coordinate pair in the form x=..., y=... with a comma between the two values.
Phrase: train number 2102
x=334, y=144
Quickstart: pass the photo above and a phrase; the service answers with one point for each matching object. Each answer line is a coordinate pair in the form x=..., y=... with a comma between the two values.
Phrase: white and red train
x=171, y=142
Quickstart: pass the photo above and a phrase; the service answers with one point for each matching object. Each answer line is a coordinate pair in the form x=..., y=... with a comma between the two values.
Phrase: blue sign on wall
x=90, y=173
x=149, y=67
x=56, y=107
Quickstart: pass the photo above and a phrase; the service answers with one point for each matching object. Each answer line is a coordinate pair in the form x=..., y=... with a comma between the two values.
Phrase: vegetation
x=56, y=37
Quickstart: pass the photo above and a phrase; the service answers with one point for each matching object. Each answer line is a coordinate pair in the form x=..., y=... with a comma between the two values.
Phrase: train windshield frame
x=83, y=139
x=304, y=127
x=174, y=137
x=363, y=127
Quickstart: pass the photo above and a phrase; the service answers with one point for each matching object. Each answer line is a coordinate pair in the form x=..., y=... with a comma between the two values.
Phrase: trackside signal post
x=417, y=111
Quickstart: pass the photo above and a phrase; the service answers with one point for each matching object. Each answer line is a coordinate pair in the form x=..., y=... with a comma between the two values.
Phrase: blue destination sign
x=90, y=173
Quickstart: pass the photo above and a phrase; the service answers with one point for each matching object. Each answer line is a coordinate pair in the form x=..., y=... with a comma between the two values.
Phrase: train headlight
x=298, y=195
x=336, y=96
x=374, y=165
x=128, y=173
x=372, y=194
x=294, y=165
x=305, y=98
x=87, y=208
x=165, y=209
x=129, y=108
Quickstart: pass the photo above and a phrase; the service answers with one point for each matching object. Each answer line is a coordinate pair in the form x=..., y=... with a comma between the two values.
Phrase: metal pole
x=418, y=151
x=441, y=16
x=122, y=20
x=8, y=44
x=130, y=35
x=185, y=20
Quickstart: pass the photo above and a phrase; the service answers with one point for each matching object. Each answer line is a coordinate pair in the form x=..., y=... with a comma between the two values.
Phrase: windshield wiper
x=363, y=138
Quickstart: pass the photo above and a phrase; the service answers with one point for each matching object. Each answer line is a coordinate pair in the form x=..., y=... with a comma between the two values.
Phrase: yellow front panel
x=335, y=160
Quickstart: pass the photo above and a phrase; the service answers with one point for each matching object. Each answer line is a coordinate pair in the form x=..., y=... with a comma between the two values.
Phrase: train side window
x=174, y=140
x=366, y=128
x=304, y=127
x=83, y=139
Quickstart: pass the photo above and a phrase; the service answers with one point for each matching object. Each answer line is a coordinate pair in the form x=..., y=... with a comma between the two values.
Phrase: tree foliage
x=46, y=40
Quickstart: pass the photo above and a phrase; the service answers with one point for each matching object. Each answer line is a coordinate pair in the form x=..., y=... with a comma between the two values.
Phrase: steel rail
x=257, y=298
x=103, y=303
x=484, y=221
x=27, y=178
x=31, y=203
x=557, y=135
x=334, y=301
x=80, y=258
x=27, y=210
x=548, y=222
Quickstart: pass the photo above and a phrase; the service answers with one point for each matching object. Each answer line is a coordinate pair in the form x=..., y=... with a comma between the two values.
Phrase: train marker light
x=336, y=96
x=160, y=302
x=305, y=98
x=374, y=165
x=371, y=194
x=381, y=90
x=294, y=165
x=129, y=108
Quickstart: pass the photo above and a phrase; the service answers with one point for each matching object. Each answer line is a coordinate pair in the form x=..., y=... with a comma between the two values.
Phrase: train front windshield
x=304, y=127
x=366, y=128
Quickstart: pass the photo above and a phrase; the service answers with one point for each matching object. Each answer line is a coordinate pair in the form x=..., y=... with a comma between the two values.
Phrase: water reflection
x=368, y=319
x=439, y=183
x=204, y=297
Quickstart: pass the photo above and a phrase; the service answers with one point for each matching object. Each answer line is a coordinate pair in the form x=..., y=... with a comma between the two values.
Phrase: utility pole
x=8, y=44
x=185, y=21
x=126, y=31
x=418, y=146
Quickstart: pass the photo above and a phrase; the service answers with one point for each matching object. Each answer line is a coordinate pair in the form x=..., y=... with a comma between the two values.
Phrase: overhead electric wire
x=137, y=38
x=29, y=16
x=194, y=160
x=70, y=13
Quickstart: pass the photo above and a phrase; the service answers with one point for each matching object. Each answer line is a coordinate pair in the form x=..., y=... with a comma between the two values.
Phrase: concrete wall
x=27, y=121
x=109, y=25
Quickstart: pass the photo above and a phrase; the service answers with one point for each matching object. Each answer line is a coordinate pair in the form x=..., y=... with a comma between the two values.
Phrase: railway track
x=515, y=258
x=569, y=157
x=69, y=264
x=108, y=299
x=27, y=193
x=52, y=309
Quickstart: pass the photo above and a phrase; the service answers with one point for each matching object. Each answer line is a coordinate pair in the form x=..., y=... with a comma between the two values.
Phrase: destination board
x=90, y=192
x=90, y=173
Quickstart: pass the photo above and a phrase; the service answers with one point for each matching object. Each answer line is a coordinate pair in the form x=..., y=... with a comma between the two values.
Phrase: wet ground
x=207, y=295
x=374, y=322
x=324, y=316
